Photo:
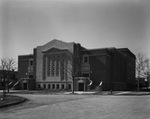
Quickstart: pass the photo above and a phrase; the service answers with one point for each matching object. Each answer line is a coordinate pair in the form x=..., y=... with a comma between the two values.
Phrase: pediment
x=56, y=45
x=54, y=50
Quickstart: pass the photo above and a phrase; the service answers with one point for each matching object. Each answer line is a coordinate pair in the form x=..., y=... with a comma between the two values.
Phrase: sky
x=26, y=24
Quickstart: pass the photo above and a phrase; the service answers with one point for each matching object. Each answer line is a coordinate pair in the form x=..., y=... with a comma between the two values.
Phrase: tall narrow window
x=62, y=86
x=57, y=86
x=53, y=86
x=44, y=86
x=62, y=70
x=49, y=86
x=30, y=67
x=44, y=67
x=53, y=67
x=49, y=67
x=57, y=68
x=31, y=62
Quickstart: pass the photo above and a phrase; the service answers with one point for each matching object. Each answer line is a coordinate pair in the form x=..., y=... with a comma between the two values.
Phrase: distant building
x=8, y=77
x=52, y=66
x=25, y=72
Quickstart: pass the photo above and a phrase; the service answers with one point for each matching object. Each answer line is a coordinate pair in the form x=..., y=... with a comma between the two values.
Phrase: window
x=62, y=86
x=62, y=69
x=31, y=62
x=53, y=86
x=39, y=86
x=49, y=67
x=57, y=68
x=44, y=86
x=69, y=86
x=49, y=86
x=53, y=67
x=57, y=86
x=85, y=58
x=44, y=67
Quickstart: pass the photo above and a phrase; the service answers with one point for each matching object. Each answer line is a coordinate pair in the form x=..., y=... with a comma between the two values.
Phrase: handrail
x=17, y=82
x=90, y=82
x=10, y=83
x=100, y=83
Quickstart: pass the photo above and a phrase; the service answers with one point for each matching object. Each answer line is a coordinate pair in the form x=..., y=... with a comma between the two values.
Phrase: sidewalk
x=108, y=93
x=81, y=92
x=78, y=92
x=11, y=91
x=133, y=93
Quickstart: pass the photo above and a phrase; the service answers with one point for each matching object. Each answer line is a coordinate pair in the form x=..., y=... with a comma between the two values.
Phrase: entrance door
x=25, y=86
x=81, y=86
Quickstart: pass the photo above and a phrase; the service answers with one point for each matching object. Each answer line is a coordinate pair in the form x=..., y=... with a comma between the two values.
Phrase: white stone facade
x=53, y=69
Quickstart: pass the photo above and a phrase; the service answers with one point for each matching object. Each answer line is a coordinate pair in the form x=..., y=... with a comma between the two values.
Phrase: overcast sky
x=26, y=24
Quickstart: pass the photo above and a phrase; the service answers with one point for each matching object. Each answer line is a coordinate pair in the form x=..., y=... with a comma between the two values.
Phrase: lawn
x=9, y=100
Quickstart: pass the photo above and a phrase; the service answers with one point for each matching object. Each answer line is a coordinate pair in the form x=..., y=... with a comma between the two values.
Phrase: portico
x=82, y=83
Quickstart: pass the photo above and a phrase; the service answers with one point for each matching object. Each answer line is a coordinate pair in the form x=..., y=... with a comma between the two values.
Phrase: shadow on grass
x=10, y=100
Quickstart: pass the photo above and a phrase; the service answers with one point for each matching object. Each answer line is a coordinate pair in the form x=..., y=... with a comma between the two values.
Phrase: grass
x=9, y=100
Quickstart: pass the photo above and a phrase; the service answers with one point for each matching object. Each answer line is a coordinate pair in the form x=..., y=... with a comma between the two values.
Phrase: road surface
x=79, y=107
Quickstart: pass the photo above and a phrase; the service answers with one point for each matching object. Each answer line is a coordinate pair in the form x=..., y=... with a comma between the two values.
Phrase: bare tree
x=72, y=67
x=7, y=65
x=142, y=67
x=69, y=67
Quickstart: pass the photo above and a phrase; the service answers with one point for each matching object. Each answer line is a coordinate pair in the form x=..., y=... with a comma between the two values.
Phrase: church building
x=59, y=65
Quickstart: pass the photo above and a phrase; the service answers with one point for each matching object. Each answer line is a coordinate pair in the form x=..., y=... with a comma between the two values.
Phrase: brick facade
x=26, y=72
x=56, y=62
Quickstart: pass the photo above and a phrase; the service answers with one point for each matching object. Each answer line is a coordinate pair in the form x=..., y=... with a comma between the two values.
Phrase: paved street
x=79, y=107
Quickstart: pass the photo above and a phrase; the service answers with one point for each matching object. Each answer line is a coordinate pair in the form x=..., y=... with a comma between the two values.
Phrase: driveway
x=79, y=107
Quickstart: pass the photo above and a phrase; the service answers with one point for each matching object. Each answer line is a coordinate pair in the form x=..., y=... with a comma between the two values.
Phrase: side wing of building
x=25, y=72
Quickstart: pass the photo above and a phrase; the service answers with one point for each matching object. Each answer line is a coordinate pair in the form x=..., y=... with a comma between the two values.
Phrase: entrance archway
x=81, y=86
x=25, y=86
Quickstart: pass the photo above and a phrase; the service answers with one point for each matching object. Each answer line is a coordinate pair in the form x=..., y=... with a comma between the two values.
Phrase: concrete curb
x=123, y=93
x=134, y=94
x=13, y=103
x=131, y=94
